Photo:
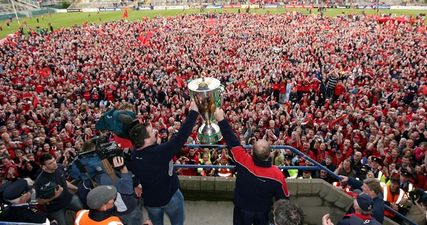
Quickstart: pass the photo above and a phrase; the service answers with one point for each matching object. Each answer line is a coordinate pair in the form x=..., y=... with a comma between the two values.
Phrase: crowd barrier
x=194, y=166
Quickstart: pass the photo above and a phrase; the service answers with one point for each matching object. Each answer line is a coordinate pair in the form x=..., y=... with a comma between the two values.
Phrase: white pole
x=16, y=13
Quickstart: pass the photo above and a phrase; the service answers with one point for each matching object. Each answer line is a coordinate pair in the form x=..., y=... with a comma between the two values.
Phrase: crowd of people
x=347, y=91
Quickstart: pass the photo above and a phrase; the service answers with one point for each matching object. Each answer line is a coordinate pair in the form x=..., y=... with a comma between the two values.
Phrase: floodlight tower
x=14, y=10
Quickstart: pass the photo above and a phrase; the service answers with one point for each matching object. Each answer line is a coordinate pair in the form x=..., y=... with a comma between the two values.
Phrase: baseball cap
x=365, y=202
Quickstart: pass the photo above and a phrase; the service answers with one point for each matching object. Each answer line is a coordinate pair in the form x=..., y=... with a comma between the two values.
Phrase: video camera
x=109, y=150
x=418, y=195
x=88, y=164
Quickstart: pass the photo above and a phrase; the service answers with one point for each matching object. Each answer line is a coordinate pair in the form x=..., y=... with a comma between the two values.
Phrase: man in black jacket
x=152, y=164
x=257, y=180
x=54, y=191
x=18, y=195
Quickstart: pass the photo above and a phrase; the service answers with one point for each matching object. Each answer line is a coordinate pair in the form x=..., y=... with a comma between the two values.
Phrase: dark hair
x=45, y=157
x=137, y=134
x=287, y=213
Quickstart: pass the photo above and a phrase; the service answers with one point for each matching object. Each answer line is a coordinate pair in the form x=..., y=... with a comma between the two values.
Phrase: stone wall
x=315, y=196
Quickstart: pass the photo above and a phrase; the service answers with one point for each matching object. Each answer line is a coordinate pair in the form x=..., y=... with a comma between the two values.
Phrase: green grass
x=69, y=19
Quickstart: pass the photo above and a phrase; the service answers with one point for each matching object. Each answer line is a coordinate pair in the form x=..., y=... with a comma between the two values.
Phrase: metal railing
x=301, y=154
x=195, y=166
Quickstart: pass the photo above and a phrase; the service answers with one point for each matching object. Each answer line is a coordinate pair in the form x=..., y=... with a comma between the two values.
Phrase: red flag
x=125, y=13
x=35, y=101
x=212, y=21
x=255, y=99
x=39, y=88
x=180, y=82
x=145, y=38
x=45, y=72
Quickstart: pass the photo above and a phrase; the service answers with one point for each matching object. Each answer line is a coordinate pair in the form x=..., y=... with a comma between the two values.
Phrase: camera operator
x=126, y=201
x=53, y=190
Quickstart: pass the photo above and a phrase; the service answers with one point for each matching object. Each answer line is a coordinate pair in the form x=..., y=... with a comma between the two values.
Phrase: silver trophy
x=206, y=92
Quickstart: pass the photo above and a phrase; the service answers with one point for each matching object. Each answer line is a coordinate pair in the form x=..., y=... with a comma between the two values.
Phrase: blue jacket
x=153, y=167
x=257, y=181
x=124, y=185
x=357, y=219
x=378, y=208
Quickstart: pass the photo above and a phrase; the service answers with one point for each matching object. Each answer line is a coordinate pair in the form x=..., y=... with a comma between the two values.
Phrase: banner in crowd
x=74, y=10
x=214, y=6
x=384, y=7
x=144, y=8
x=163, y=7
x=270, y=6
x=104, y=9
x=231, y=6
x=414, y=7
x=374, y=6
x=299, y=6
x=250, y=6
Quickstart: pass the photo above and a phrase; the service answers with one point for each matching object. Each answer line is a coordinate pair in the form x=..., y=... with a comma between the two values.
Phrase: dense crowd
x=347, y=91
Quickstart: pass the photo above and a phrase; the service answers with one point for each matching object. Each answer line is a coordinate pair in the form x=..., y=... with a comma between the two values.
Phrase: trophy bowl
x=206, y=93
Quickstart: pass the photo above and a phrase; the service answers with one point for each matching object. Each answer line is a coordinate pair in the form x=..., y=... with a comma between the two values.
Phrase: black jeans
x=74, y=205
x=244, y=217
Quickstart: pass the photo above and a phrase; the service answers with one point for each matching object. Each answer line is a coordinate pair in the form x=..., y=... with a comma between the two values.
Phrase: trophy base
x=209, y=134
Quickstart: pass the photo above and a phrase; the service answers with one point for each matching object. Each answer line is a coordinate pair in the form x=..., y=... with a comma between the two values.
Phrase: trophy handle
x=218, y=98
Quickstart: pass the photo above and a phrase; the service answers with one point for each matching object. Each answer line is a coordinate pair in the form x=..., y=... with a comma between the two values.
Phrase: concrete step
x=206, y=213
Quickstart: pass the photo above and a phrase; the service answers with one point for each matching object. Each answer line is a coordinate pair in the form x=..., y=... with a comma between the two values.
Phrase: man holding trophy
x=153, y=166
x=257, y=180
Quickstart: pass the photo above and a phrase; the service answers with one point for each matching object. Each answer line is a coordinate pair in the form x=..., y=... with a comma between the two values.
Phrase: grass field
x=69, y=19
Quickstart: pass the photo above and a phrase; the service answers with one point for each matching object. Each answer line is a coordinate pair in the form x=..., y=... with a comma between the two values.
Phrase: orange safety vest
x=82, y=218
x=396, y=199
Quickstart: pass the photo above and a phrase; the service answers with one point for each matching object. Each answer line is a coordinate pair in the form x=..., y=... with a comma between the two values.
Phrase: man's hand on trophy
x=219, y=114
x=193, y=106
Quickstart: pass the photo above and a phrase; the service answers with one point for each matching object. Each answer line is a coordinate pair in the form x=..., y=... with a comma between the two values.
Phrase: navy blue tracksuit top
x=153, y=167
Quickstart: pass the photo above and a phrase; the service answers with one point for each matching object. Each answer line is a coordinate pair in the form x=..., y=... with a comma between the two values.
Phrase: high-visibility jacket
x=396, y=199
x=293, y=173
x=392, y=199
x=82, y=218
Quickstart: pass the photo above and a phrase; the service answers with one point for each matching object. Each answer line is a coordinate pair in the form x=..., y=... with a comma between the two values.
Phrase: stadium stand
x=114, y=4
x=21, y=5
